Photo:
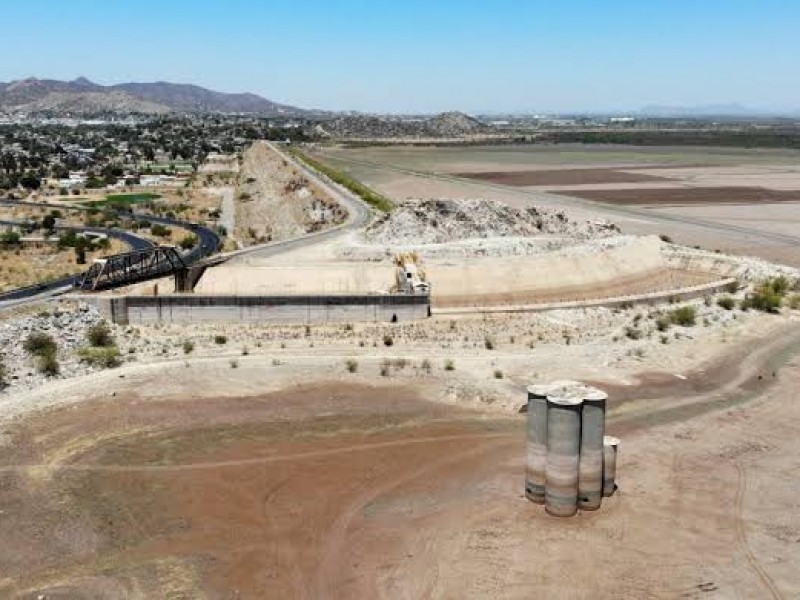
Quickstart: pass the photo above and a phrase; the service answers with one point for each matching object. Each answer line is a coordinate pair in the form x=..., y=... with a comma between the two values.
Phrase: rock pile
x=66, y=324
x=435, y=221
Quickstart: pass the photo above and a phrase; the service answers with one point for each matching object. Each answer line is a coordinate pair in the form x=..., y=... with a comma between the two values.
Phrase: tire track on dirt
x=741, y=534
x=331, y=556
x=252, y=461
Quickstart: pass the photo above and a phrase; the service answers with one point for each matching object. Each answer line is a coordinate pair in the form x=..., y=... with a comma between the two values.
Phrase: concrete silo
x=564, y=404
x=590, y=471
x=610, y=450
x=536, y=460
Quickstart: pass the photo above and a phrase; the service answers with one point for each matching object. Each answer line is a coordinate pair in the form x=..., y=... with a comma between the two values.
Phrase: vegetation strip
x=367, y=194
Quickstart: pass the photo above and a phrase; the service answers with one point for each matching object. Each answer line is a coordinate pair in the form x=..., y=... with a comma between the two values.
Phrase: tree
x=49, y=223
x=30, y=181
x=80, y=250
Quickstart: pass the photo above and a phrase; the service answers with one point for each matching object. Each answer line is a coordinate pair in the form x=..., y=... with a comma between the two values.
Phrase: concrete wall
x=263, y=309
x=650, y=298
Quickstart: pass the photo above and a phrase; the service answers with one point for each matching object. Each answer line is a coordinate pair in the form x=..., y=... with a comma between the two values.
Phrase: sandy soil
x=349, y=490
x=275, y=201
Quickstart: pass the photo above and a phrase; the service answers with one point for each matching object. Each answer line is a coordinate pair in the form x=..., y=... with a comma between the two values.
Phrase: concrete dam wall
x=191, y=308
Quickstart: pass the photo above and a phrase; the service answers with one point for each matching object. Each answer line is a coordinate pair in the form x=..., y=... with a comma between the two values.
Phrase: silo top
x=540, y=389
x=565, y=383
x=609, y=440
x=566, y=395
x=592, y=394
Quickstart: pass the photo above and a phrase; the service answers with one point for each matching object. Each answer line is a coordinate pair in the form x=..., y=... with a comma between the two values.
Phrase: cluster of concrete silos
x=571, y=463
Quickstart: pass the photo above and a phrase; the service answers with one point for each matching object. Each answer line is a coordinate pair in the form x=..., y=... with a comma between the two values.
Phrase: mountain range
x=83, y=97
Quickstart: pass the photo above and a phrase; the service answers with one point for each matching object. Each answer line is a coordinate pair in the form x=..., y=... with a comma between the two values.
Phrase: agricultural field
x=742, y=201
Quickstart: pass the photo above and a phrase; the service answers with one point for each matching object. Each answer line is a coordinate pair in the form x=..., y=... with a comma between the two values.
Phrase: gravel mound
x=436, y=221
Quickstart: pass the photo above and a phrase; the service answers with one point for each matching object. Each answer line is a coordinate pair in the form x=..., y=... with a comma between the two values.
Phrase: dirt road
x=331, y=490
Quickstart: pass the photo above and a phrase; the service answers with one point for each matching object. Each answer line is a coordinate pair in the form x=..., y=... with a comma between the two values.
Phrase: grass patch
x=768, y=296
x=100, y=356
x=125, y=200
x=367, y=194
x=685, y=316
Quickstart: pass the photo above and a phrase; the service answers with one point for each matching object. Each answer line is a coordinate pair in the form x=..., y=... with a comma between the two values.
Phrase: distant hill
x=449, y=124
x=82, y=97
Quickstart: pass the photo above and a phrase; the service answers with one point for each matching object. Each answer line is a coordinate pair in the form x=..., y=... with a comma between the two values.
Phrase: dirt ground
x=331, y=490
x=689, y=196
x=401, y=173
x=559, y=177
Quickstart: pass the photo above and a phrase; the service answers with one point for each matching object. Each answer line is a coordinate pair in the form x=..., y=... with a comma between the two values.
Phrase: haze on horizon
x=417, y=56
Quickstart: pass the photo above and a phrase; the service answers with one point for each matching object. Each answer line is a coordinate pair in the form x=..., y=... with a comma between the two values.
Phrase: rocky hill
x=450, y=124
x=436, y=221
x=82, y=96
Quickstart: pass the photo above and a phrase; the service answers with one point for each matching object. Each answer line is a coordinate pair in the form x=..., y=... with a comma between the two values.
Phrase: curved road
x=359, y=214
x=65, y=284
x=208, y=243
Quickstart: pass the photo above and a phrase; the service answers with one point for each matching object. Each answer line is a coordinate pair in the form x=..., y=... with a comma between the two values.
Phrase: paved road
x=208, y=243
x=359, y=214
x=64, y=284
x=598, y=207
x=208, y=240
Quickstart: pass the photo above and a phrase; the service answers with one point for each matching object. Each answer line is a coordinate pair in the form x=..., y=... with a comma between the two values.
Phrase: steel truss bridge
x=130, y=267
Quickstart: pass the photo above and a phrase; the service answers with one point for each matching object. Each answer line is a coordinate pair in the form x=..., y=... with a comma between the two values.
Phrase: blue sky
x=425, y=56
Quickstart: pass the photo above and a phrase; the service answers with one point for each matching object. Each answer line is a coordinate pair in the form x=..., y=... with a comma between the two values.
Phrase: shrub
x=388, y=340
x=220, y=340
x=39, y=344
x=498, y=374
x=449, y=365
x=385, y=367
x=663, y=323
x=188, y=347
x=685, y=316
x=634, y=333
x=733, y=287
x=234, y=364
x=726, y=302
x=47, y=363
x=3, y=374
x=351, y=365
x=159, y=230
x=100, y=356
x=665, y=238
x=768, y=296
x=488, y=343
x=426, y=365
x=794, y=302
x=99, y=335
x=188, y=241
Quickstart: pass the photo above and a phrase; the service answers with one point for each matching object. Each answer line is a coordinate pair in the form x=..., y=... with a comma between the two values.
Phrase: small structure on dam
x=570, y=462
